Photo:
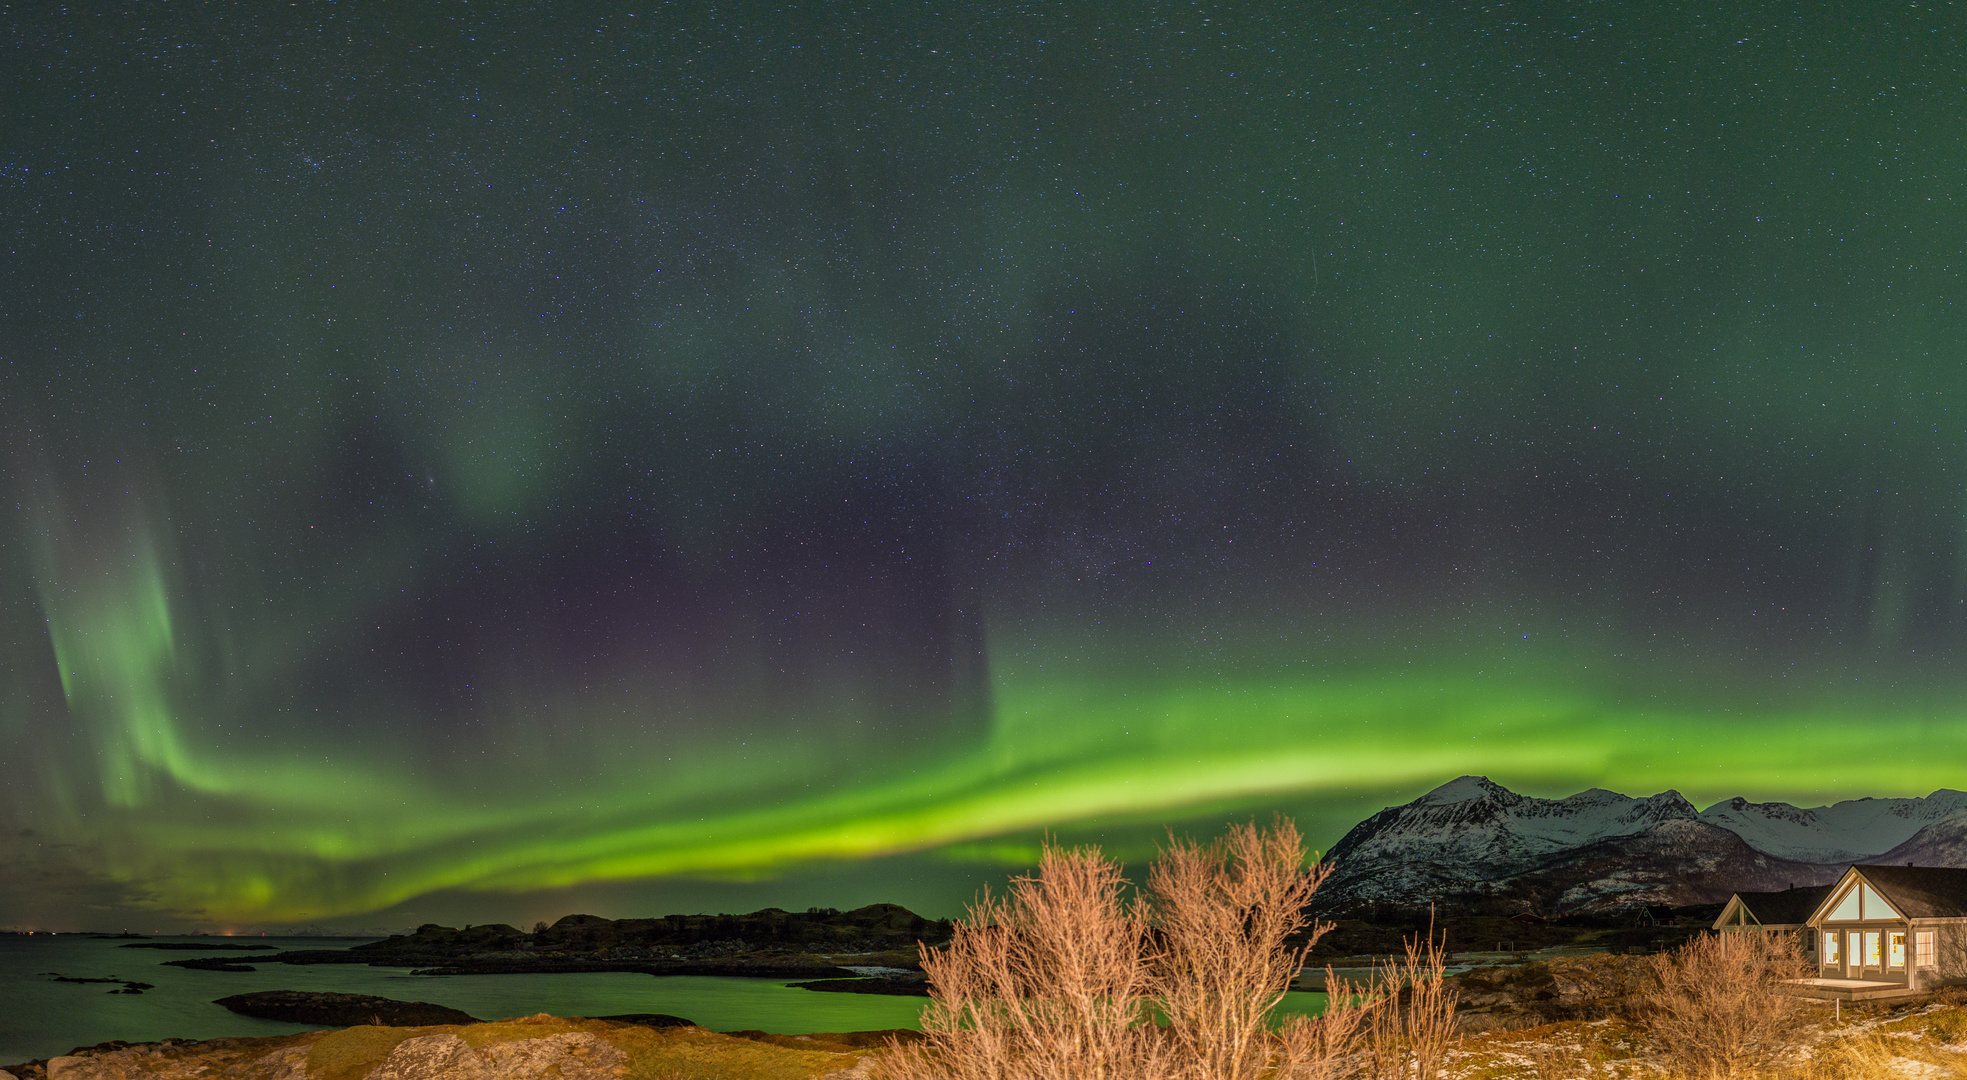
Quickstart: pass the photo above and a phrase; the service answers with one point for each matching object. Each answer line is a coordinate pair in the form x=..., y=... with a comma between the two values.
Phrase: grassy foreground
x=568, y=1048
x=1927, y=1040
x=1870, y=1043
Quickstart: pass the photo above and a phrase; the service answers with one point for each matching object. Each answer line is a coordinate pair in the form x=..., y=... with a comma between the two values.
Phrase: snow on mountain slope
x=1850, y=831
x=1943, y=843
x=1472, y=831
x=1475, y=818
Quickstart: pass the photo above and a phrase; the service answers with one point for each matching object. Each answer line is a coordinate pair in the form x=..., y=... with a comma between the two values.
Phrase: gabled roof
x=1921, y=892
x=1788, y=907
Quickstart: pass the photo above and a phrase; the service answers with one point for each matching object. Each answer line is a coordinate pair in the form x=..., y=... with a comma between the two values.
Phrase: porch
x=1850, y=990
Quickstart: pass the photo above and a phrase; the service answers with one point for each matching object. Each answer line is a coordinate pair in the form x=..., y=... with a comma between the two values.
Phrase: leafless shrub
x=1048, y=983
x=1223, y=912
x=1326, y=1046
x=1061, y=980
x=1716, y=1011
x=1408, y=1030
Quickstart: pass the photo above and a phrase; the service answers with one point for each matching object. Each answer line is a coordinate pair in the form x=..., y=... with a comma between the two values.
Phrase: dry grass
x=1875, y=1055
x=1939, y=1022
x=604, y=1048
x=1409, y=1027
x=1564, y=1050
x=1553, y=1060
x=1716, y=1012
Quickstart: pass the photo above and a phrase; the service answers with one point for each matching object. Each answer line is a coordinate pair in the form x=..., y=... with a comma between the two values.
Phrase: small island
x=819, y=943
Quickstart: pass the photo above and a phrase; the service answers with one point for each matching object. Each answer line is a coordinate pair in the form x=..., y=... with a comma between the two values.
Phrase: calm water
x=41, y=1018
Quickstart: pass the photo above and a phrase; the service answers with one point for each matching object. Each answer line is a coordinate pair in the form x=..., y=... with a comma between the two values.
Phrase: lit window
x=1830, y=947
x=1926, y=954
x=1871, y=949
x=1897, y=954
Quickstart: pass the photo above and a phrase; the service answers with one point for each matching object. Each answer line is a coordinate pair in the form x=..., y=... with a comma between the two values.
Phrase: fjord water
x=41, y=1018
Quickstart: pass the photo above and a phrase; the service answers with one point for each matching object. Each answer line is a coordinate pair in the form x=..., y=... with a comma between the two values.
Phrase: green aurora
x=459, y=460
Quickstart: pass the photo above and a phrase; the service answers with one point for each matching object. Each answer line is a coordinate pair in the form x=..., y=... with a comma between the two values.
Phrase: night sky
x=487, y=460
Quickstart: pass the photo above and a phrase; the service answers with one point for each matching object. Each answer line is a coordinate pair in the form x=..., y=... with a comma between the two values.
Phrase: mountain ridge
x=1474, y=842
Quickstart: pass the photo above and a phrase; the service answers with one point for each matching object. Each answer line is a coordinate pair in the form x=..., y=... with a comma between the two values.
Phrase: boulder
x=1547, y=991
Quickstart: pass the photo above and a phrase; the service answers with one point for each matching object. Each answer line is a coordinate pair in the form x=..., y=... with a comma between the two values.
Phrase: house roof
x=1790, y=906
x=1920, y=892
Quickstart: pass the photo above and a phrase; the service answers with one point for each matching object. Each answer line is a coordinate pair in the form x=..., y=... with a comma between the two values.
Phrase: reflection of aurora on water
x=478, y=508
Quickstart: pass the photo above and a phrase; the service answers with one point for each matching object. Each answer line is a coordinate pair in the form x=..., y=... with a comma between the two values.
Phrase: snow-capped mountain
x=1472, y=837
x=1849, y=831
x=1943, y=843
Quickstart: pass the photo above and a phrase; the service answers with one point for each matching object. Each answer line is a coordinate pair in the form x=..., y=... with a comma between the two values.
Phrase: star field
x=487, y=452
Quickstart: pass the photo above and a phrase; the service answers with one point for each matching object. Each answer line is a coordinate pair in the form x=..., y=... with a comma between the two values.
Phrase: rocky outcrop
x=572, y=1055
x=752, y=966
x=210, y=963
x=335, y=1010
x=654, y=1020
x=1548, y=991
x=519, y=1049
x=914, y=984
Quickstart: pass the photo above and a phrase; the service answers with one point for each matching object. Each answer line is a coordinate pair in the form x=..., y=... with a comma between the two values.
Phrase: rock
x=523, y=1048
x=210, y=963
x=574, y=1055
x=568, y=1055
x=431, y=1057
x=916, y=985
x=1548, y=991
x=654, y=1020
x=342, y=1010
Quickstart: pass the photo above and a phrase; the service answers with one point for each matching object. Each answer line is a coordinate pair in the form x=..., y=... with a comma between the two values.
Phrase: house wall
x=1950, y=948
x=1799, y=936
